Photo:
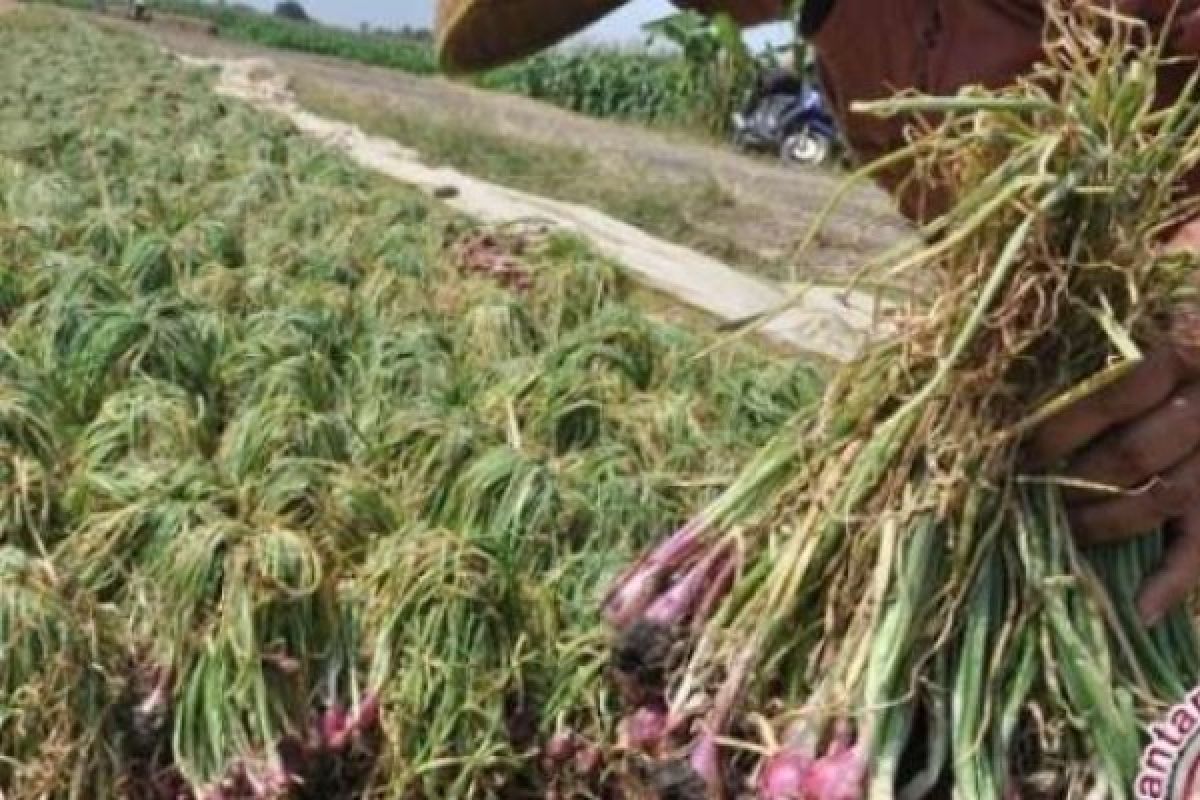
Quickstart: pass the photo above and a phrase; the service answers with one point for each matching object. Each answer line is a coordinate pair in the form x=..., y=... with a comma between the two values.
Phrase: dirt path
x=824, y=321
x=782, y=201
x=773, y=204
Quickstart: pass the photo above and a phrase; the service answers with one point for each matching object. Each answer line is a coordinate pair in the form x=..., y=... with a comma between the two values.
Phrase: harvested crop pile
x=892, y=583
x=295, y=502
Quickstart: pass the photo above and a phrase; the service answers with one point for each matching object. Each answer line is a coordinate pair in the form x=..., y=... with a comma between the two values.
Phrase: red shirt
x=869, y=49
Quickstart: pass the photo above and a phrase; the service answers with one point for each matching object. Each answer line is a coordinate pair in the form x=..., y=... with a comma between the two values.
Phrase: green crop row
x=243, y=23
x=309, y=488
x=615, y=83
x=689, y=89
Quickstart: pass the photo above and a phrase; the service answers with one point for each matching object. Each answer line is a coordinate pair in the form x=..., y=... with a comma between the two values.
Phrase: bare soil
x=773, y=204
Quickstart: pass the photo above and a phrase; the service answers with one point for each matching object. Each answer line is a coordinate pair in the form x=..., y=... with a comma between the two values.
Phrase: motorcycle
x=787, y=115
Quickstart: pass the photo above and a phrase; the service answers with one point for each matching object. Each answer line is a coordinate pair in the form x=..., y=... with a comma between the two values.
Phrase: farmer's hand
x=1141, y=434
x=744, y=12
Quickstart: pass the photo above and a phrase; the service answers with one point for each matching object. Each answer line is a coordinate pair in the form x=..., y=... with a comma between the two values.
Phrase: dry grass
x=681, y=210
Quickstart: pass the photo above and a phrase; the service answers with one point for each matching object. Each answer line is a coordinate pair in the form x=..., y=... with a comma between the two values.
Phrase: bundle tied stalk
x=908, y=601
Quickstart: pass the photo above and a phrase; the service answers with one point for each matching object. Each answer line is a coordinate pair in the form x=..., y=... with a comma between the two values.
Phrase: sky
x=621, y=26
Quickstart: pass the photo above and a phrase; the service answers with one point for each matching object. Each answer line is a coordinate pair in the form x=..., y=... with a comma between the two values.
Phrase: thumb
x=1178, y=575
x=1185, y=318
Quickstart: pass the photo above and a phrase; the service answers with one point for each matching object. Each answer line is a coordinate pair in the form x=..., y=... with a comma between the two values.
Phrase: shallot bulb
x=560, y=749
x=705, y=760
x=333, y=727
x=588, y=759
x=680, y=601
x=784, y=775
x=840, y=775
x=273, y=783
x=638, y=588
x=644, y=729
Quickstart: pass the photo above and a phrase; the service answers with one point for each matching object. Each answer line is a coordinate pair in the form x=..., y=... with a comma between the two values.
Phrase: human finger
x=1177, y=576
x=1138, y=512
x=1134, y=454
x=1146, y=387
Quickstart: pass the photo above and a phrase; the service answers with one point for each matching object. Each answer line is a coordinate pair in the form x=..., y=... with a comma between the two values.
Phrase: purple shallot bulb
x=636, y=588
x=842, y=740
x=560, y=748
x=644, y=730
x=840, y=776
x=721, y=582
x=644, y=647
x=783, y=775
x=628, y=602
x=333, y=727
x=681, y=600
x=272, y=783
x=705, y=760
x=588, y=759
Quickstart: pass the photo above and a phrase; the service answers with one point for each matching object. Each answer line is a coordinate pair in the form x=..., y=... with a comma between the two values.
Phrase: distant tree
x=411, y=34
x=290, y=9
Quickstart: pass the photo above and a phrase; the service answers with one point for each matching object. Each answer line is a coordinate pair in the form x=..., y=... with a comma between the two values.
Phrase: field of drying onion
x=309, y=487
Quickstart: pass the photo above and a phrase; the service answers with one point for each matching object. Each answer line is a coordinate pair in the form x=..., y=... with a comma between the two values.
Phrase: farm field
x=312, y=487
x=315, y=487
x=243, y=23
x=749, y=212
x=634, y=83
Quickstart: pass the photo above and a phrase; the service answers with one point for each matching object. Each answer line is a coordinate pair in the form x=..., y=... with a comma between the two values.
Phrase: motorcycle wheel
x=741, y=141
x=806, y=147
